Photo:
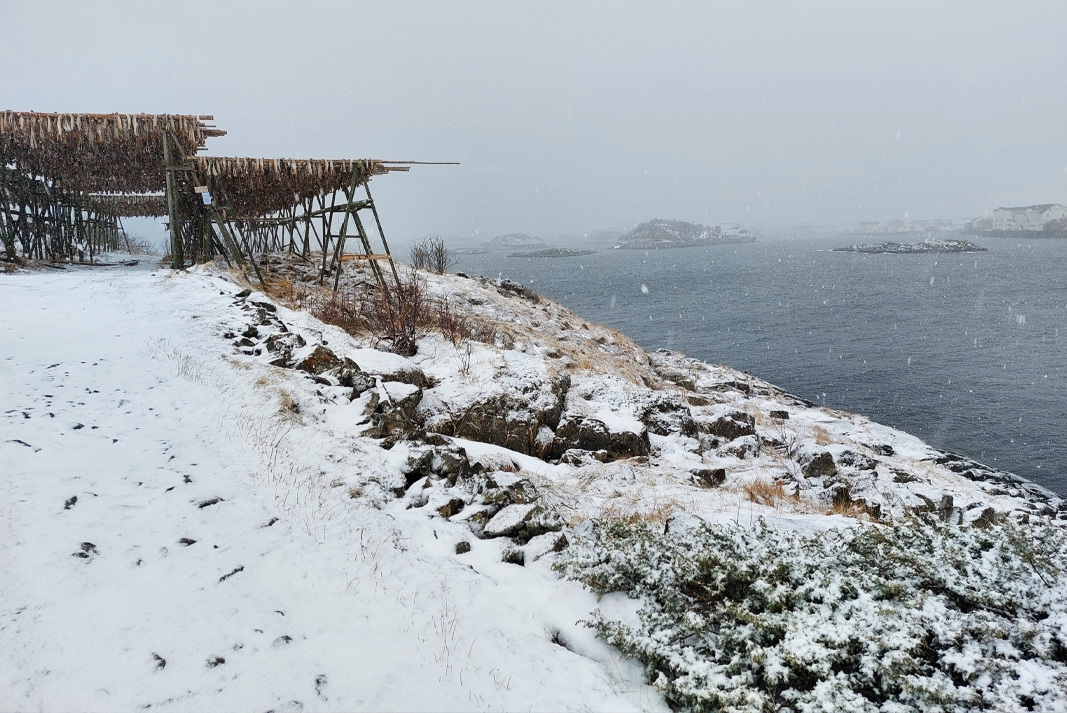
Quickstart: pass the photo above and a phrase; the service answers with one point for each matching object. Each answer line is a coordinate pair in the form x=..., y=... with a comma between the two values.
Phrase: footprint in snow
x=88, y=549
x=224, y=577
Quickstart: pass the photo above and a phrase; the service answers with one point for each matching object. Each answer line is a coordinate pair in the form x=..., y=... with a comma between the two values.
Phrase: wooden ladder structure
x=349, y=211
x=235, y=237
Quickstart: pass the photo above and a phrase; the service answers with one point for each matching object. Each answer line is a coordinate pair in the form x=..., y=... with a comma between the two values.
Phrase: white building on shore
x=1022, y=219
x=734, y=231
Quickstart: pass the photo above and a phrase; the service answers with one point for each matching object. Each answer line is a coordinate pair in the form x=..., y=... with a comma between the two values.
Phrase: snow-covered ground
x=204, y=561
x=205, y=506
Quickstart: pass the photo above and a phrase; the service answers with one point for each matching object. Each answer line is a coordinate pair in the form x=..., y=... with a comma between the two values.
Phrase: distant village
x=1045, y=220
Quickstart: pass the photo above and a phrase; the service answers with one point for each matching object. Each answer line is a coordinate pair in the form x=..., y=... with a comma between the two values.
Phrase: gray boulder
x=733, y=425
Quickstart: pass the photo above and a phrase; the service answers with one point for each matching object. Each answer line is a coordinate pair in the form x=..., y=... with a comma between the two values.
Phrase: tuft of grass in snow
x=289, y=406
x=764, y=491
x=847, y=508
x=906, y=617
x=822, y=437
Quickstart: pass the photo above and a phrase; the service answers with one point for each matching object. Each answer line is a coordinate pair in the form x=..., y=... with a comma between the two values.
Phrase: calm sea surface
x=968, y=352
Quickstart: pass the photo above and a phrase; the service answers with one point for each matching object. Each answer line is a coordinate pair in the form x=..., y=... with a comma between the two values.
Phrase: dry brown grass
x=661, y=513
x=284, y=291
x=847, y=508
x=822, y=437
x=399, y=317
x=288, y=406
x=764, y=492
x=626, y=510
x=237, y=363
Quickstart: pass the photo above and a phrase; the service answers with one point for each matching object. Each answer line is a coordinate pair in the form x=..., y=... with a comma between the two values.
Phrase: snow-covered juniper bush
x=902, y=617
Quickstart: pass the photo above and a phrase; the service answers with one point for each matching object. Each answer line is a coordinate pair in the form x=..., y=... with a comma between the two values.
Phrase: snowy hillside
x=214, y=500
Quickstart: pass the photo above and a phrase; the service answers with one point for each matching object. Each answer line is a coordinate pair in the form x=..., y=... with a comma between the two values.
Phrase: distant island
x=929, y=246
x=660, y=233
x=554, y=252
x=512, y=241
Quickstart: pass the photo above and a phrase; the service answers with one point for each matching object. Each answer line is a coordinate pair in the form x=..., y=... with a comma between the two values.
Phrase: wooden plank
x=357, y=256
x=354, y=205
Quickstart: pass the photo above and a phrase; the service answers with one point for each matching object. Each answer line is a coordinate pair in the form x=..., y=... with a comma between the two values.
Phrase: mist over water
x=967, y=351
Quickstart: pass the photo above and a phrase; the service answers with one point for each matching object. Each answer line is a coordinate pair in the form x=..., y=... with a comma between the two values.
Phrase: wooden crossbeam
x=348, y=257
x=353, y=205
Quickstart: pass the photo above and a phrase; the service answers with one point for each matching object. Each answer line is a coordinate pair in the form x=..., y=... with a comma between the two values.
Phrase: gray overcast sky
x=568, y=117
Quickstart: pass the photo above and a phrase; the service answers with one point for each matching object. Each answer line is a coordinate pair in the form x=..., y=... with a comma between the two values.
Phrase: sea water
x=967, y=351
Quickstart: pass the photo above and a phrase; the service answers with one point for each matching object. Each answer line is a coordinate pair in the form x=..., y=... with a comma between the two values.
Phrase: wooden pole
x=252, y=258
x=344, y=228
x=125, y=235
x=177, y=260
x=366, y=187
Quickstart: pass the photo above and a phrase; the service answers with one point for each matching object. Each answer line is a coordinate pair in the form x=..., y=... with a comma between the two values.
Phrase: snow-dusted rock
x=316, y=359
x=388, y=366
x=511, y=519
x=542, y=545
x=731, y=425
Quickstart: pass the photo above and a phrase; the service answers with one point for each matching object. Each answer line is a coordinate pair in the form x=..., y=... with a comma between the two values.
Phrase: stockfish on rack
x=151, y=205
x=258, y=187
x=112, y=153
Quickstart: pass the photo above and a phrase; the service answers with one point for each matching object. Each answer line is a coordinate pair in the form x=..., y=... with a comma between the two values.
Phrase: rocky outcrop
x=389, y=367
x=709, y=477
x=522, y=522
x=733, y=425
x=281, y=346
x=512, y=419
x=666, y=415
x=590, y=434
x=820, y=465
x=320, y=359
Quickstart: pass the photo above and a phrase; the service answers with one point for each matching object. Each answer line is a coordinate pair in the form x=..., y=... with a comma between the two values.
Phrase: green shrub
x=903, y=617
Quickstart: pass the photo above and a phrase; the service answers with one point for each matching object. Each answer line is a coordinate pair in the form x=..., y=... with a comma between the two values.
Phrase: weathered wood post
x=366, y=187
x=177, y=259
x=7, y=223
